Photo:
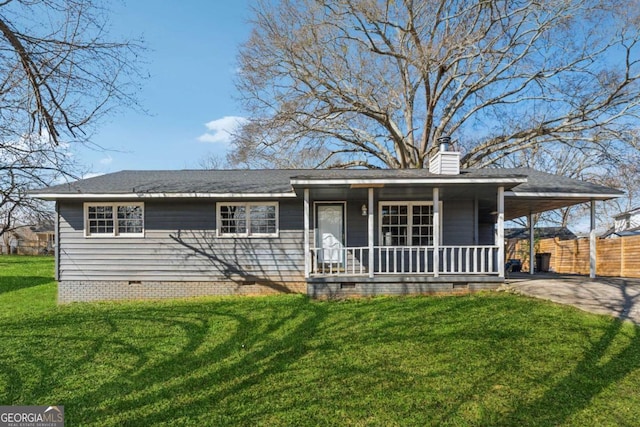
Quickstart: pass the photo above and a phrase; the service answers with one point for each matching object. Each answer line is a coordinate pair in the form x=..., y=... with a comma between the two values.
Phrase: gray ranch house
x=326, y=233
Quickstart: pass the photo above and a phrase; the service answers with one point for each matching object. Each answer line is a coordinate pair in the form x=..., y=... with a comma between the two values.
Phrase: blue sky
x=192, y=47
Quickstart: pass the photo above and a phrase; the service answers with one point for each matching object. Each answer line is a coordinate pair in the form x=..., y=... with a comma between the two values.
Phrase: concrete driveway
x=618, y=297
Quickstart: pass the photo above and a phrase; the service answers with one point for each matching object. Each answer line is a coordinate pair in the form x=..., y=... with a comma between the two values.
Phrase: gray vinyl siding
x=180, y=244
x=357, y=225
x=486, y=233
x=457, y=222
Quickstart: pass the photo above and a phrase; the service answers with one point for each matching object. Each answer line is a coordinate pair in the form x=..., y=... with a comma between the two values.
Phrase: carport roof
x=543, y=192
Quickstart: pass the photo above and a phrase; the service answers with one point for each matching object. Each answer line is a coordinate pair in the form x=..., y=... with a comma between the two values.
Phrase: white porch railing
x=339, y=261
x=473, y=259
x=403, y=260
x=469, y=259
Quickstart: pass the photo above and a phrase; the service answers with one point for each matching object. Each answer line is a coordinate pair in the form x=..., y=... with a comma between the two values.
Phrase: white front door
x=330, y=222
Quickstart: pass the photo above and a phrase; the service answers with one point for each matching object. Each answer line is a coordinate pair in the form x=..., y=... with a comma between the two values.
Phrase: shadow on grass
x=15, y=283
x=156, y=384
x=604, y=363
x=254, y=359
x=246, y=362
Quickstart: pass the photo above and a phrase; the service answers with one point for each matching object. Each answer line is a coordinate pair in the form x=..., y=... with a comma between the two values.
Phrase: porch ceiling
x=519, y=206
x=526, y=190
x=482, y=192
x=516, y=205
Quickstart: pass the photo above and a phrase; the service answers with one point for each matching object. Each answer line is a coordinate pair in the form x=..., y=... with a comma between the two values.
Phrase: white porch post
x=307, y=249
x=592, y=242
x=370, y=231
x=500, y=235
x=532, y=242
x=436, y=231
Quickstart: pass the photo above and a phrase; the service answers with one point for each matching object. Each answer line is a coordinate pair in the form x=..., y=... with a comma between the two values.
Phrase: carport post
x=592, y=241
x=532, y=249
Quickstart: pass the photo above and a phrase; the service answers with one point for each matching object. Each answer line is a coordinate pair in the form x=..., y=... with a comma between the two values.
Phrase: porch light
x=363, y=208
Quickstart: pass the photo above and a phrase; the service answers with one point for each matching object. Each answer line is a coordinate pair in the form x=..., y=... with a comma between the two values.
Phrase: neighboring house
x=157, y=234
x=45, y=237
x=625, y=224
x=562, y=233
x=29, y=240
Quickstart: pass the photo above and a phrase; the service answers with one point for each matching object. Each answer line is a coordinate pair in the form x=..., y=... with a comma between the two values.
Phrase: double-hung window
x=114, y=219
x=406, y=223
x=248, y=219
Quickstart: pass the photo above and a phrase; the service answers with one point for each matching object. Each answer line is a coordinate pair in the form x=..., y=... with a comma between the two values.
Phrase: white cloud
x=220, y=130
x=106, y=160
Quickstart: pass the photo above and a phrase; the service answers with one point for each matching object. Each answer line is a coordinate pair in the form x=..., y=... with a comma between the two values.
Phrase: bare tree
x=585, y=162
x=24, y=165
x=212, y=161
x=626, y=177
x=59, y=74
x=251, y=150
x=375, y=83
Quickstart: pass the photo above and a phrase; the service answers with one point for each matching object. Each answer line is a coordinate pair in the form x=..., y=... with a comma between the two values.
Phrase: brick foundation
x=84, y=291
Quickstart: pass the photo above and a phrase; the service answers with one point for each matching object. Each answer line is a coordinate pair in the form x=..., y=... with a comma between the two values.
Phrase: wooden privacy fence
x=615, y=257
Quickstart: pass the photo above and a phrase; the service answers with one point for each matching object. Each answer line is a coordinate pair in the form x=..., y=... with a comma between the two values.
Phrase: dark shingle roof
x=279, y=181
x=180, y=181
x=220, y=181
x=542, y=182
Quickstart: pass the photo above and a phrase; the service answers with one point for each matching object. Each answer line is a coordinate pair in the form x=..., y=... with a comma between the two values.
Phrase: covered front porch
x=401, y=236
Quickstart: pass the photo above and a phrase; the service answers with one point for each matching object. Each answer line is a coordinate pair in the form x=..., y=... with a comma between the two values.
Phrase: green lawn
x=491, y=359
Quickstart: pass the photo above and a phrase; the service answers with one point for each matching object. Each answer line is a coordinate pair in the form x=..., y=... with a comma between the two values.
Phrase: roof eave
x=311, y=182
x=127, y=196
x=563, y=195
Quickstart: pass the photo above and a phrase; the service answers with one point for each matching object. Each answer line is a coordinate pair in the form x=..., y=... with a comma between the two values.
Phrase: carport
x=544, y=192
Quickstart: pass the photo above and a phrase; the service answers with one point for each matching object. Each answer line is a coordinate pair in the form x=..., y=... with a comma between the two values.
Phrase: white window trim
x=247, y=206
x=409, y=204
x=115, y=233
